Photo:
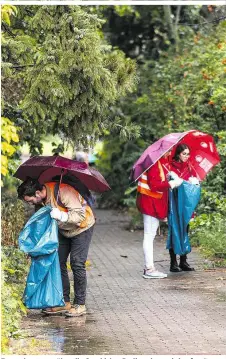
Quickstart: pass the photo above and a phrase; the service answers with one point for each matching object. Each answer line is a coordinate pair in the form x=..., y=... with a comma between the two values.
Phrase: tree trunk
x=173, y=33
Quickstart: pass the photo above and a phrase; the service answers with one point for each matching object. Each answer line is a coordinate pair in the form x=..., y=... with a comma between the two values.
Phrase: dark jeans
x=77, y=247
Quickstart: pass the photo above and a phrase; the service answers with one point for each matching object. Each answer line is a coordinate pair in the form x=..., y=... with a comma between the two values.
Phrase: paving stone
x=183, y=314
x=172, y=315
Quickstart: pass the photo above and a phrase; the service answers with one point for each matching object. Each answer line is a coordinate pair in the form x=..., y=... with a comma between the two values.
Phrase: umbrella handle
x=166, y=168
x=61, y=175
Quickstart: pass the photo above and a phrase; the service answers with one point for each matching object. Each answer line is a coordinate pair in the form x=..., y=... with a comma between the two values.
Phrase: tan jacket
x=80, y=215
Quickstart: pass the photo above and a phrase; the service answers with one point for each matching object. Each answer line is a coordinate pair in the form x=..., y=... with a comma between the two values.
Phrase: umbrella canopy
x=44, y=168
x=203, y=152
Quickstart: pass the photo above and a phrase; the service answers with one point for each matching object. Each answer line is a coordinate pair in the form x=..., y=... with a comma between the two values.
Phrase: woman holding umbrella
x=152, y=202
x=181, y=168
x=151, y=170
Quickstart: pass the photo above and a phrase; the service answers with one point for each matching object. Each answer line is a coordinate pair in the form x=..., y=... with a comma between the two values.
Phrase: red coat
x=155, y=207
x=182, y=169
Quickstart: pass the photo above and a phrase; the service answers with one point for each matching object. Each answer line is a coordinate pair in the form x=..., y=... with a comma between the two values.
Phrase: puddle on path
x=66, y=335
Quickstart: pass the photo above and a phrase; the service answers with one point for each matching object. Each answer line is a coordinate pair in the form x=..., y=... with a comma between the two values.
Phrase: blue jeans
x=77, y=247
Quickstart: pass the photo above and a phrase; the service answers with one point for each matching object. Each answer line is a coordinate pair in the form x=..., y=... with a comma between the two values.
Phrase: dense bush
x=13, y=273
x=208, y=230
x=13, y=219
x=13, y=270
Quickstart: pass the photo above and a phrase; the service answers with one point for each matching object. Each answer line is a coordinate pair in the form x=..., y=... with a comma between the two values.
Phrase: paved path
x=182, y=314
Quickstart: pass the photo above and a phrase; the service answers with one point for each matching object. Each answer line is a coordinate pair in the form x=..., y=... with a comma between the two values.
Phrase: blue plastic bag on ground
x=182, y=203
x=39, y=239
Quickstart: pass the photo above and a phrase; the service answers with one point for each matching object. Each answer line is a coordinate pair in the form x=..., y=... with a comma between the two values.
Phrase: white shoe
x=153, y=274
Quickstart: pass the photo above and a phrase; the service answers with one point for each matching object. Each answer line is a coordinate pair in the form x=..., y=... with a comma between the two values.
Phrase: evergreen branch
x=7, y=29
x=21, y=66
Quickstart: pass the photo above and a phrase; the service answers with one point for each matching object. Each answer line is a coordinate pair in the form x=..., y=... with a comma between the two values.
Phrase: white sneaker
x=153, y=274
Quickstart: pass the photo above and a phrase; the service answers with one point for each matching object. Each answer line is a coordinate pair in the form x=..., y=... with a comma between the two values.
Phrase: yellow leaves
x=223, y=61
x=88, y=264
x=7, y=149
x=4, y=165
x=7, y=11
x=9, y=135
x=9, y=131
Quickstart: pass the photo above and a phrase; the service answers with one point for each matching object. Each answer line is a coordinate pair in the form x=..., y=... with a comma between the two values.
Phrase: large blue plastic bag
x=39, y=239
x=182, y=203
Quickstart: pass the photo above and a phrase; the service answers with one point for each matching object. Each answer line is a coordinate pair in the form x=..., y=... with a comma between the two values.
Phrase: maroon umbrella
x=44, y=168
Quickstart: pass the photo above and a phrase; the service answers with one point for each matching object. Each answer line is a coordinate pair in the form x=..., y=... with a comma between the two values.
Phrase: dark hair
x=180, y=148
x=28, y=188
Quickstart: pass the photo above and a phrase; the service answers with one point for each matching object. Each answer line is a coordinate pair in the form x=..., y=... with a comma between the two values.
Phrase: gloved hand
x=173, y=175
x=193, y=180
x=175, y=183
x=59, y=215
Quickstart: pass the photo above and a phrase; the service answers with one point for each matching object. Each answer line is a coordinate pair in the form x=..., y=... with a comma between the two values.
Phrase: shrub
x=13, y=271
x=14, y=267
x=208, y=230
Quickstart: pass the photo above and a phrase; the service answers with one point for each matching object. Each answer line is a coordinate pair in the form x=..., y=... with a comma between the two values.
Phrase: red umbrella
x=203, y=152
x=44, y=168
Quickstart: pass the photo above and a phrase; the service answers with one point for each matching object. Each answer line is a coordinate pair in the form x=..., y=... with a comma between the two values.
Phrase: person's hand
x=59, y=215
x=173, y=175
x=193, y=180
x=175, y=183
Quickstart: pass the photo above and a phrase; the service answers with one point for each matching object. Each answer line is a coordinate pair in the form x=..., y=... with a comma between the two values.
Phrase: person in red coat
x=181, y=168
x=152, y=202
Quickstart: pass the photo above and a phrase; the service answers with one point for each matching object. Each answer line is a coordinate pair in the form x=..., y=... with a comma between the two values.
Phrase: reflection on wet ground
x=128, y=315
x=67, y=335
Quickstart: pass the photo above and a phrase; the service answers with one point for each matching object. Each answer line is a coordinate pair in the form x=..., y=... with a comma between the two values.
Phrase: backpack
x=77, y=185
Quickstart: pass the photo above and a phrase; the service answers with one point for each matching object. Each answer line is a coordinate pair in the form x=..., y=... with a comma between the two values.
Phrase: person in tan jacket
x=76, y=221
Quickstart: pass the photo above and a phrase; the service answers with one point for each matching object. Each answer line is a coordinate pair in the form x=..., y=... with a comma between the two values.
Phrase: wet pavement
x=182, y=314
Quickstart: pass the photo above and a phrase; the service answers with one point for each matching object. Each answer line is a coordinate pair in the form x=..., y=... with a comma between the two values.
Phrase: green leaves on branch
x=75, y=76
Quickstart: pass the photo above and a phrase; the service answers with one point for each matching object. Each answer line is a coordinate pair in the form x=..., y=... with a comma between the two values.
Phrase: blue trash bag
x=182, y=203
x=39, y=239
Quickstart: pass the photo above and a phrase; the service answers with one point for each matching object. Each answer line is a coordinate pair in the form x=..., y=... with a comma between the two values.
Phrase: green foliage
x=13, y=274
x=117, y=157
x=13, y=270
x=13, y=219
x=177, y=92
x=182, y=86
x=208, y=230
x=70, y=77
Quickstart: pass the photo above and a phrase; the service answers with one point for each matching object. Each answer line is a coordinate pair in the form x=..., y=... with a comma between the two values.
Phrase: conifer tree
x=71, y=76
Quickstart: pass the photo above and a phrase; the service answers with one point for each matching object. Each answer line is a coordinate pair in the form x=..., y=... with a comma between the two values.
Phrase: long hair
x=180, y=148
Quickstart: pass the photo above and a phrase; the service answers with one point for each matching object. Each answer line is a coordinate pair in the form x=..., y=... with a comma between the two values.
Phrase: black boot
x=184, y=264
x=173, y=262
